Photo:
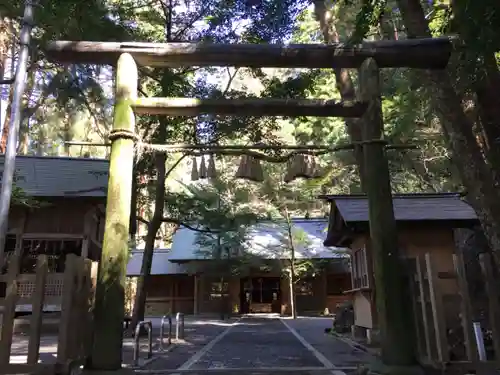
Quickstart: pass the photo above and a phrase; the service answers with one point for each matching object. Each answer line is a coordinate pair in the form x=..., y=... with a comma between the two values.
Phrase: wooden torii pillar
x=415, y=53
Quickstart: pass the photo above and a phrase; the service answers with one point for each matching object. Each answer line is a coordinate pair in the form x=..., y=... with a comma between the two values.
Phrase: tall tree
x=461, y=96
x=227, y=217
x=56, y=95
x=167, y=21
x=463, y=101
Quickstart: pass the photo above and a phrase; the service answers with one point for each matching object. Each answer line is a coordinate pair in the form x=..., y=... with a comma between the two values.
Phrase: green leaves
x=368, y=16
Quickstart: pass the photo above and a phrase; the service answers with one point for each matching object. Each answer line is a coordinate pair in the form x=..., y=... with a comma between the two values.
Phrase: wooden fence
x=442, y=311
x=74, y=328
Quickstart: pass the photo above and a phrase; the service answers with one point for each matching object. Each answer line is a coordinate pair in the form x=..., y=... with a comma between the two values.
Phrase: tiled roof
x=161, y=264
x=264, y=240
x=43, y=176
x=409, y=207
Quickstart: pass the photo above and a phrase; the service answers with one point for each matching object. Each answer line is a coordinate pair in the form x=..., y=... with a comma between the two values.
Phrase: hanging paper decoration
x=301, y=166
x=203, y=168
x=211, y=172
x=250, y=169
x=194, y=170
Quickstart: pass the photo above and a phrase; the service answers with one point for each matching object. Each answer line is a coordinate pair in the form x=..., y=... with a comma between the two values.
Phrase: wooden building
x=186, y=278
x=170, y=288
x=425, y=224
x=67, y=216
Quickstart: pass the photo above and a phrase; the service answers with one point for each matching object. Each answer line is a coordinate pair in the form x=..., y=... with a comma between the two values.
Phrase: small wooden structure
x=75, y=325
x=441, y=311
x=443, y=316
x=258, y=283
x=436, y=273
x=201, y=294
x=67, y=218
x=186, y=278
x=170, y=287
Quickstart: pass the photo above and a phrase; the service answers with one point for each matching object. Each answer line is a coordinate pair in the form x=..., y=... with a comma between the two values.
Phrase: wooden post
x=437, y=311
x=466, y=310
x=423, y=307
x=9, y=311
x=19, y=235
x=493, y=305
x=412, y=273
x=42, y=269
x=393, y=317
x=91, y=269
x=175, y=291
x=110, y=294
x=77, y=316
x=87, y=227
x=66, y=333
x=195, y=292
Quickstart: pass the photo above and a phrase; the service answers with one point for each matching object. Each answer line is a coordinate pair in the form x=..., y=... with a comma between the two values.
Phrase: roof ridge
x=293, y=219
x=161, y=249
x=396, y=195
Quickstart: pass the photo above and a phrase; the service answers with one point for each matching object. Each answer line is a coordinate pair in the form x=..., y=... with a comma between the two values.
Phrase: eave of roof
x=423, y=209
x=407, y=207
x=47, y=176
x=161, y=264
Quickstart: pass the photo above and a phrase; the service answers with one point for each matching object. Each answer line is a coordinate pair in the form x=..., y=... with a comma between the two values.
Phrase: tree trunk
x=6, y=122
x=291, y=277
x=24, y=139
x=343, y=79
x=291, y=285
x=7, y=44
x=223, y=299
x=153, y=228
x=488, y=105
x=478, y=175
x=481, y=60
x=4, y=46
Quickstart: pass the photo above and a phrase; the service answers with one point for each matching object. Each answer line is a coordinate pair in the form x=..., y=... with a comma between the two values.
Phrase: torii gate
x=429, y=53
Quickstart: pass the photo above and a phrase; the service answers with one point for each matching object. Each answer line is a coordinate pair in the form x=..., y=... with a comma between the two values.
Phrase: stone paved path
x=255, y=342
x=198, y=333
x=339, y=352
x=254, y=345
x=249, y=346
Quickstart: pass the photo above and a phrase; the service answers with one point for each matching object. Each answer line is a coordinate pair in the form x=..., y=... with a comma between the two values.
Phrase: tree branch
x=142, y=220
x=145, y=72
x=182, y=224
x=171, y=169
x=230, y=80
x=172, y=220
x=190, y=23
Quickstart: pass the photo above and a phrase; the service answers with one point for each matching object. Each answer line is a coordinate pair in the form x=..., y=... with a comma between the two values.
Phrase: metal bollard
x=162, y=330
x=149, y=328
x=179, y=326
x=478, y=333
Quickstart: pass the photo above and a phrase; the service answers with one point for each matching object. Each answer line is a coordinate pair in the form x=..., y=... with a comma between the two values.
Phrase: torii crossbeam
x=425, y=53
